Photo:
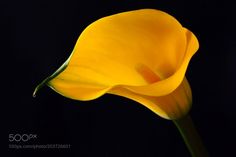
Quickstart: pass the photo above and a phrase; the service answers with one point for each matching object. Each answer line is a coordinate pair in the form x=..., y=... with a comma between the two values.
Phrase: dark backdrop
x=37, y=37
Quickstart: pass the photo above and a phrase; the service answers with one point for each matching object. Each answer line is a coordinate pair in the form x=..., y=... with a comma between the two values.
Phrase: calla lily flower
x=142, y=55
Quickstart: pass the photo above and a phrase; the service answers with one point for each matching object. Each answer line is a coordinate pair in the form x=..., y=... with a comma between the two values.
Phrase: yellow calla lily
x=142, y=55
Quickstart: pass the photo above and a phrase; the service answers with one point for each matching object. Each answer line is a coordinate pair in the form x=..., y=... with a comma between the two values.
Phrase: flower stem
x=191, y=137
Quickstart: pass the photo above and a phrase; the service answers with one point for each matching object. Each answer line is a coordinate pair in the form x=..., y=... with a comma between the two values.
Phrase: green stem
x=191, y=137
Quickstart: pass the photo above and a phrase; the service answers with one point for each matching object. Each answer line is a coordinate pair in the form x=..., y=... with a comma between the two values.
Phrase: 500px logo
x=21, y=137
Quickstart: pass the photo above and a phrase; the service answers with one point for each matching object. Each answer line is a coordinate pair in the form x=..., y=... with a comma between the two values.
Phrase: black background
x=38, y=36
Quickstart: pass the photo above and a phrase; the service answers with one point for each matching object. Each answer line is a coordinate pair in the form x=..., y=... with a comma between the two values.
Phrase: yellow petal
x=172, y=106
x=169, y=84
x=110, y=51
x=79, y=92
